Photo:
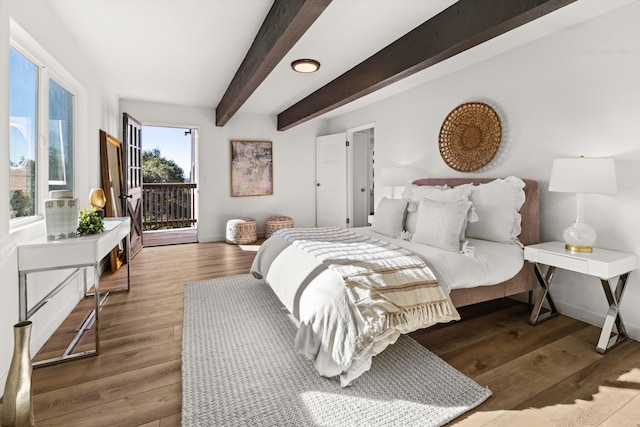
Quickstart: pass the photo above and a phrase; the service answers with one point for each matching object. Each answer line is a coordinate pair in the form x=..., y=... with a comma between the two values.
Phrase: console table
x=601, y=263
x=79, y=253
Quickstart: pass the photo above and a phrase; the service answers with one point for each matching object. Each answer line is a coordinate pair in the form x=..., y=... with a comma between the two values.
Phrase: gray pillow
x=389, y=217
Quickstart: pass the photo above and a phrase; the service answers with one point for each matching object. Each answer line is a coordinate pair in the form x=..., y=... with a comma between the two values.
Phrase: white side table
x=78, y=253
x=601, y=263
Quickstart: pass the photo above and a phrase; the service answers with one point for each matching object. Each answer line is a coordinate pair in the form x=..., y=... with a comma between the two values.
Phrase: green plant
x=90, y=222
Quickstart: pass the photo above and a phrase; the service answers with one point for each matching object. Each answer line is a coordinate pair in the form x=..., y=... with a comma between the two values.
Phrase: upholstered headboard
x=530, y=210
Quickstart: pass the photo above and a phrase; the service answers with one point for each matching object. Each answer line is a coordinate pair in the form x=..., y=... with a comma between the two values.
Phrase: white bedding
x=328, y=323
x=491, y=262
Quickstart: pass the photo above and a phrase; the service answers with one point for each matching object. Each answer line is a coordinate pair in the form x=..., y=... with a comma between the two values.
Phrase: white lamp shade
x=583, y=175
x=393, y=177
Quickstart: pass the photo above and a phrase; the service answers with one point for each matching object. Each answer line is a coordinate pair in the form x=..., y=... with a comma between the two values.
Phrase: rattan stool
x=241, y=231
x=275, y=223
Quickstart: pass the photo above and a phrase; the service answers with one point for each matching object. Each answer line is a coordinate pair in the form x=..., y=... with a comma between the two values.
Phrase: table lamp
x=393, y=177
x=582, y=175
x=97, y=200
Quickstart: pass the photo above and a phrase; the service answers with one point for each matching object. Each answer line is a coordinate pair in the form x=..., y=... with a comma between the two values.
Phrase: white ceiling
x=186, y=52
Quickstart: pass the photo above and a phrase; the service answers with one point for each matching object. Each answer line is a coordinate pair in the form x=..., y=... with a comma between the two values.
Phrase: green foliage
x=90, y=222
x=21, y=203
x=156, y=168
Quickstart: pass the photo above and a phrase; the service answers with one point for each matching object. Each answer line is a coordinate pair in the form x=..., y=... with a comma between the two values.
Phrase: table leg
x=613, y=330
x=545, y=283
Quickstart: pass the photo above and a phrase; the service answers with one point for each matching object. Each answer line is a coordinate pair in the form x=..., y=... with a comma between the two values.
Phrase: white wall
x=293, y=165
x=572, y=93
x=98, y=110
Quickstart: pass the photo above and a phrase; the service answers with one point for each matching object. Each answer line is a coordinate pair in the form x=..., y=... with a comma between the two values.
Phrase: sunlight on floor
x=250, y=248
x=340, y=409
x=621, y=398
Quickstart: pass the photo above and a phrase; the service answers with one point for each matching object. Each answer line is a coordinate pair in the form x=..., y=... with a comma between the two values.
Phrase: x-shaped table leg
x=545, y=282
x=613, y=330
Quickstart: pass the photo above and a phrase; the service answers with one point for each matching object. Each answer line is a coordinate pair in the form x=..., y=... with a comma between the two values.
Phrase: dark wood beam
x=462, y=26
x=285, y=23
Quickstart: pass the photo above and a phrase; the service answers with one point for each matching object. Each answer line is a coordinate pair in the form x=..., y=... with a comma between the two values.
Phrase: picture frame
x=251, y=168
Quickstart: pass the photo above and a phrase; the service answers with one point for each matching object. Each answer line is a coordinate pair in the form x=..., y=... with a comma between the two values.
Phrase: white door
x=331, y=180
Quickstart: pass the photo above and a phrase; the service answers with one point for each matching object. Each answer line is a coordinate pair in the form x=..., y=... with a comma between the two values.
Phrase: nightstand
x=601, y=263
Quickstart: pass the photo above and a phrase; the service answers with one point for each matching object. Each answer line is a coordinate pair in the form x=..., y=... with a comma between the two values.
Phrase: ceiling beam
x=285, y=23
x=461, y=26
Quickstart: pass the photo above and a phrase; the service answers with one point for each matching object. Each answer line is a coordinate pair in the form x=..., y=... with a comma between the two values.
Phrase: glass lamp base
x=579, y=237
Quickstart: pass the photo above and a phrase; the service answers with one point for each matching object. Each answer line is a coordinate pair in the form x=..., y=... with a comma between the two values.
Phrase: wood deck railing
x=168, y=205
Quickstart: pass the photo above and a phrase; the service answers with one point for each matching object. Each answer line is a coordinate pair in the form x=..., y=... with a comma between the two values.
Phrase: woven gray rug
x=239, y=368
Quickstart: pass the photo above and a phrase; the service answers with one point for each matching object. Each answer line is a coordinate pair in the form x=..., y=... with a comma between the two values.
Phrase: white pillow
x=388, y=217
x=437, y=193
x=442, y=223
x=409, y=190
x=497, y=204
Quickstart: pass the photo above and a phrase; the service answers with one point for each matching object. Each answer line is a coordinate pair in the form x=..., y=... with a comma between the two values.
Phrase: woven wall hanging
x=470, y=136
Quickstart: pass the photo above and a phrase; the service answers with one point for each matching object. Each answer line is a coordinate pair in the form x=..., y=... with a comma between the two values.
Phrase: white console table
x=79, y=253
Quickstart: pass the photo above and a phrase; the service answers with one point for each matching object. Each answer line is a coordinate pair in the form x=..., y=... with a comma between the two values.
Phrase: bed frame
x=525, y=280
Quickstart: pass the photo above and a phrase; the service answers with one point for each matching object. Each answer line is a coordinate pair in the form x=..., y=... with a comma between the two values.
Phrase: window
x=60, y=137
x=23, y=100
x=42, y=127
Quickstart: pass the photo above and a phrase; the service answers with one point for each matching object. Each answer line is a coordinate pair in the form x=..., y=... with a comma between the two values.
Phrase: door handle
x=126, y=196
x=362, y=190
x=318, y=184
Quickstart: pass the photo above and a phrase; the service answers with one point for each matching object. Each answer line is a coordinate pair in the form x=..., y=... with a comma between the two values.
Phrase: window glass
x=23, y=93
x=60, y=137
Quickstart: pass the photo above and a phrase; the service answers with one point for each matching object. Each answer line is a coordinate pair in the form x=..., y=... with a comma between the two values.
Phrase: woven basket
x=275, y=223
x=470, y=136
x=241, y=231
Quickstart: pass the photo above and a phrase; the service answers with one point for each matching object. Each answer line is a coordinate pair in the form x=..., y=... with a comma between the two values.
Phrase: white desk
x=601, y=263
x=78, y=253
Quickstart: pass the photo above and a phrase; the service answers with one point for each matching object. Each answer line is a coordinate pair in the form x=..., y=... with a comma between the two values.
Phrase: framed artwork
x=251, y=168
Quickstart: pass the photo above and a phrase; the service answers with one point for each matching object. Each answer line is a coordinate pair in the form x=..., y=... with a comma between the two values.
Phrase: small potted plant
x=90, y=222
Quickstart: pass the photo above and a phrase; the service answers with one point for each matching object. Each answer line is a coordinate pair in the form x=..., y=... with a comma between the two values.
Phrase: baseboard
x=633, y=331
x=211, y=238
x=579, y=313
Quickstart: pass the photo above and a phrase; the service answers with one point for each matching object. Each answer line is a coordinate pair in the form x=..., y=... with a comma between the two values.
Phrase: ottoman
x=241, y=231
x=275, y=223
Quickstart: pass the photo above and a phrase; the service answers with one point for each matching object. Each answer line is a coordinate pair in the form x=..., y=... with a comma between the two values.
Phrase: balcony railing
x=168, y=205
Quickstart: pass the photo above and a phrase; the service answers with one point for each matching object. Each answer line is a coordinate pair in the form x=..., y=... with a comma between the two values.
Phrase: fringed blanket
x=392, y=289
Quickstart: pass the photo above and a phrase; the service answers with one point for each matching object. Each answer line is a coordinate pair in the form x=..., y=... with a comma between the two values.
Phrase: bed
x=460, y=242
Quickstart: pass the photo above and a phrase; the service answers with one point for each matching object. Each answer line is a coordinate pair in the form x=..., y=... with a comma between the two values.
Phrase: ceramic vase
x=17, y=401
x=61, y=215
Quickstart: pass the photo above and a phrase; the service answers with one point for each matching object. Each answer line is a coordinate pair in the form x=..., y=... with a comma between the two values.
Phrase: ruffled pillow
x=497, y=204
x=411, y=191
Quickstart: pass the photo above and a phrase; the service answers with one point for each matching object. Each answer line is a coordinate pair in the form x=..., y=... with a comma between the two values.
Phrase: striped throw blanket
x=392, y=288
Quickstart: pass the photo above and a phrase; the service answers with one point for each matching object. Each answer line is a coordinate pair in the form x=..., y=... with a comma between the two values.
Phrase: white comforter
x=329, y=324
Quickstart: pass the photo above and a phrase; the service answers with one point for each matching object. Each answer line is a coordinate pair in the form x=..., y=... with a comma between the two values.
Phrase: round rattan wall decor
x=470, y=136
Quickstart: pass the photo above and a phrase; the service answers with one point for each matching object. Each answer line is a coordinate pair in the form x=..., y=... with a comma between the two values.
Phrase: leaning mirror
x=112, y=184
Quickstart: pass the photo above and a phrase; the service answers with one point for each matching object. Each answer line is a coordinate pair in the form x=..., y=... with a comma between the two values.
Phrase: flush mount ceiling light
x=305, y=65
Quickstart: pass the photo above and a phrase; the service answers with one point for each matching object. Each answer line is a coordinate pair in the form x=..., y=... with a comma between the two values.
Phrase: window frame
x=48, y=68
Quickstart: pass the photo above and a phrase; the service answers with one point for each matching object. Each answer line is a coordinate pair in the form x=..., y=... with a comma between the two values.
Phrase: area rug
x=239, y=368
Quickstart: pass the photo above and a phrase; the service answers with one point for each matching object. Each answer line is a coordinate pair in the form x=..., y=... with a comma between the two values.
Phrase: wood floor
x=170, y=237
x=545, y=375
